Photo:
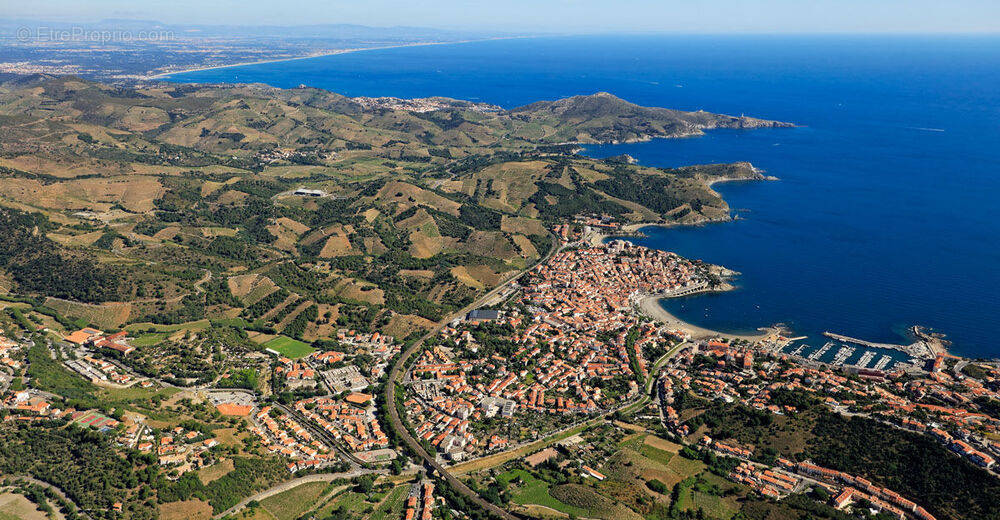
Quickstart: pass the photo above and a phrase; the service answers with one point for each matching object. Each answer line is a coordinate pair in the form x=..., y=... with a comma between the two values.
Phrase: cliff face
x=604, y=118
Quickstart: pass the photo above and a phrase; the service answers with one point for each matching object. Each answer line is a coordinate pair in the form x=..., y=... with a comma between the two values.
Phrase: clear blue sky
x=711, y=16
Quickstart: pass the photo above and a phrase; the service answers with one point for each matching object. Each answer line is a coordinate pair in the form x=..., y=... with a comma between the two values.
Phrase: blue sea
x=886, y=212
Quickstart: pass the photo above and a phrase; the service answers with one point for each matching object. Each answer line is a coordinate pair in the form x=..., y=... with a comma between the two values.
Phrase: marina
x=822, y=350
x=883, y=363
x=866, y=358
x=848, y=356
x=918, y=349
x=843, y=354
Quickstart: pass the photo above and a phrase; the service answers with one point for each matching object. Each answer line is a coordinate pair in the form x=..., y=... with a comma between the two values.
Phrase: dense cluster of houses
x=576, y=347
x=945, y=405
x=955, y=401
x=134, y=433
x=583, y=292
x=599, y=283
x=97, y=369
x=851, y=488
x=297, y=374
x=415, y=504
x=281, y=434
x=30, y=406
x=786, y=478
x=913, y=404
x=607, y=222
x=351, y=420
x=766, y=481
x=340, y=376
x=726, y=449
x=579, y=332
x=178, y=448
x=444, y=423
x=963, y=448
x=378, y=345
x=8, y=349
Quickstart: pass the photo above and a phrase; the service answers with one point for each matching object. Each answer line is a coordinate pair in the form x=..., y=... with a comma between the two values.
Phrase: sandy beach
x=330, y=53
x=650, y=306
x=596, y=238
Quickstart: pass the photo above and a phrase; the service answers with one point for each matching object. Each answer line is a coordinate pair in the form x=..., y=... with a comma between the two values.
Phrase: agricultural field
x=392, y=505
x=496, y=460
x=133, y=393
x=250, y=288
x=14, y=506
x=350, y=502
x=253, y=513
x=186, y=509
x=526, y=489
x=288, y=505
x=629, y=458
x=215, y=471
x=150, y=339
x=161, y=328
x=108, y=315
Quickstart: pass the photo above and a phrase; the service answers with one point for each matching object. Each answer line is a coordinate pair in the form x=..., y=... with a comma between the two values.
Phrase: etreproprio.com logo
x=82, y=34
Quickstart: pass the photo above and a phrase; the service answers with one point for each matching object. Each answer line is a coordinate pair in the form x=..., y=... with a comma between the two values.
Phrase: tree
x=365, y=484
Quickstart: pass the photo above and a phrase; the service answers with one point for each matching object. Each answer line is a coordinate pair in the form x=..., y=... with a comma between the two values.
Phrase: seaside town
x=945, y=400
x=458, y=261
x=569, y=344
x=559, y=349
x=422, y=105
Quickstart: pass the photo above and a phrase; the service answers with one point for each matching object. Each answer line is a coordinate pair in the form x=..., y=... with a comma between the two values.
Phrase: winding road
x=55, y=489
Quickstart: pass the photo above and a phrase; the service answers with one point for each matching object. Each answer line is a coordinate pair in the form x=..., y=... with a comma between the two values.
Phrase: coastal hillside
x=300, y=210
x=604, y=118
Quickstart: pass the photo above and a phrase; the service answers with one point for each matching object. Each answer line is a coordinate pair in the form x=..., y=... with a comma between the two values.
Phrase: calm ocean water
x=886, y=214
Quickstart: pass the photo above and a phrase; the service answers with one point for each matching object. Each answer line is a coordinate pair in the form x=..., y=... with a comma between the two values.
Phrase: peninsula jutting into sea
x=597, y=277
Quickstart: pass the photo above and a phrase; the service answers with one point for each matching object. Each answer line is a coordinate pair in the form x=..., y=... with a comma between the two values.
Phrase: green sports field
x=290, y=348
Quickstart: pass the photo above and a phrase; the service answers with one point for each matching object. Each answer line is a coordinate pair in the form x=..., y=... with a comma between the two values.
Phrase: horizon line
x=511, y=31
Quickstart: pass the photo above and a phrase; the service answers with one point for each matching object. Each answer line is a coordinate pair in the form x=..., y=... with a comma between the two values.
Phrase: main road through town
x=399, y=368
